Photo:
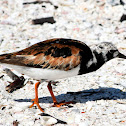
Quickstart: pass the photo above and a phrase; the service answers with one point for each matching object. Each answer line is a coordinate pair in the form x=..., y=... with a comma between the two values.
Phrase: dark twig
x=17, y=84
x=40, y=2
x=18, y=81
x=43, y=20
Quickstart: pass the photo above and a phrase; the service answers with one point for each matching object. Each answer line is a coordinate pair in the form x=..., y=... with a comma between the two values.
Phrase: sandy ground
x=100, y=96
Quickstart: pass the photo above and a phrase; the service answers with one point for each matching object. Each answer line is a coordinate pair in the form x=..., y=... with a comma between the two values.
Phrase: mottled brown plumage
x=50, y=54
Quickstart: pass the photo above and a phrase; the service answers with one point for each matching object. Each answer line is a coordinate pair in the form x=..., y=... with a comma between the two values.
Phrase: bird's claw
x=59, y=104
x=35, y=101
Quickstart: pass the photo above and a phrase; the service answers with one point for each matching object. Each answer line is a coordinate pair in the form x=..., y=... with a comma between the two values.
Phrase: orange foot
x=56, y=104
x=59, y=104
x=35, y=101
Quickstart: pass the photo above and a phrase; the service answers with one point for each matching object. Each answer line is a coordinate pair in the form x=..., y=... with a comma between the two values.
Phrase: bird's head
x=106, y=51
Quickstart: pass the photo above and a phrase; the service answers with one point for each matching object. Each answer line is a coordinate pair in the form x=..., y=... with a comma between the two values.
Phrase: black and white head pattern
x=105, y=51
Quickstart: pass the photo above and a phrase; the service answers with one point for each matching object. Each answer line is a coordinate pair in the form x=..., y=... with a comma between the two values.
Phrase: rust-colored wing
x=61, y=54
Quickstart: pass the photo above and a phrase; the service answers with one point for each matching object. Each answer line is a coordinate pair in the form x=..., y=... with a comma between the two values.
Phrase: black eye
x=101, y=47
x=112, y=51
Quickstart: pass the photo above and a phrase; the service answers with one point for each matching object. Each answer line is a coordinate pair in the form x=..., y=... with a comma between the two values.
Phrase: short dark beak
x=120, y=55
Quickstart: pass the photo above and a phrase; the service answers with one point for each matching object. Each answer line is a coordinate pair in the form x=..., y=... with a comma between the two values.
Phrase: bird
x=59, y=58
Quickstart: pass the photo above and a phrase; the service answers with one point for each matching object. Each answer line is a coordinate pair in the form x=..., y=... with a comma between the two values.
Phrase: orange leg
x=36, y=101
x=56, y=104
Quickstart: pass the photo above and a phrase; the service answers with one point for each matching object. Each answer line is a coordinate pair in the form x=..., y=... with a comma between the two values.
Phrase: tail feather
x=5, y=56
x=11, y=58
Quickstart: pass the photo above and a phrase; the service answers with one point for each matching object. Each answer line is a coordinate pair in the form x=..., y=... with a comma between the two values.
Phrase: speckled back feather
x=63, y=54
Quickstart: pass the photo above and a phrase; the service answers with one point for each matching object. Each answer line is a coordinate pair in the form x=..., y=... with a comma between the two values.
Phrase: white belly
x=39, y=73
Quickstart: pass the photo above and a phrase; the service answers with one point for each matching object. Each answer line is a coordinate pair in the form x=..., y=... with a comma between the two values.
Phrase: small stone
x=3, y=108
x=83, y=124
x=48, y=121
x=111, y=111
x=114, y=2
x=76, y=110
x=89, y=106
x=15, y=123
x=122, y=106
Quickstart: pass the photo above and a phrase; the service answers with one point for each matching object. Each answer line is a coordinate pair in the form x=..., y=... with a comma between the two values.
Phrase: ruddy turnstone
x=59, y=58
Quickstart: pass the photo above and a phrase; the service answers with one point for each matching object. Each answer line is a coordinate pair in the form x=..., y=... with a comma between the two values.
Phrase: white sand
x=102, y=97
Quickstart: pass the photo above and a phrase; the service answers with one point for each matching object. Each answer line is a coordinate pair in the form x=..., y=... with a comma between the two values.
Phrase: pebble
x=122, y=107
x=102, y=97
x=113, y=2
x=48, y=121
x=111, y=111
x=83, y=124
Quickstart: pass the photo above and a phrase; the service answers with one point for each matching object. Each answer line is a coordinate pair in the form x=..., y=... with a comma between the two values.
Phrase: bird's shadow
x=84, y=96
